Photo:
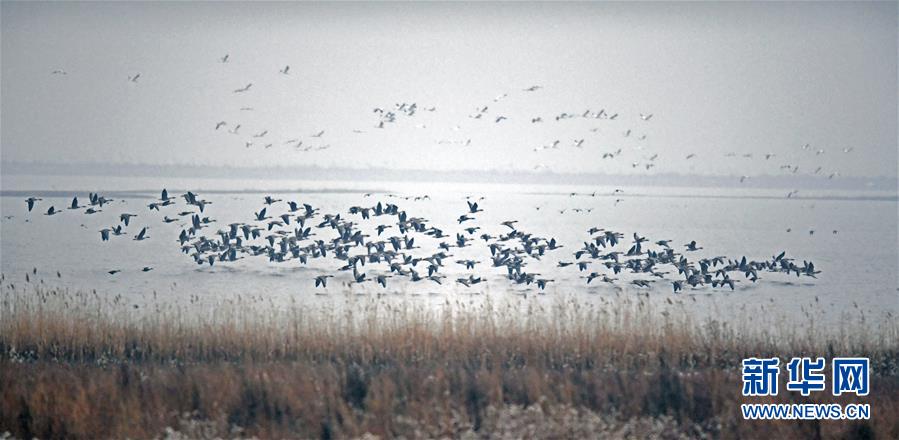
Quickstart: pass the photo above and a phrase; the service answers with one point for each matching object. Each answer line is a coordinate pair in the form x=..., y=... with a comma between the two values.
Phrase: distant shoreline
x=376, y=175
x=152, y=193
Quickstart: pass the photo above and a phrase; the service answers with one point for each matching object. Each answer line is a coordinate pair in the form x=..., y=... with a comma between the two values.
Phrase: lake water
x=858, y=262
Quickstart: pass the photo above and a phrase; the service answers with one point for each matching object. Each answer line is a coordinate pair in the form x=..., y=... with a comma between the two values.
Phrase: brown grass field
x=75, y=366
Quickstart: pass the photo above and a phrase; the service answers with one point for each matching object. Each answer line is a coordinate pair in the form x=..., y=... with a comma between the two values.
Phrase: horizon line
x=317, y=172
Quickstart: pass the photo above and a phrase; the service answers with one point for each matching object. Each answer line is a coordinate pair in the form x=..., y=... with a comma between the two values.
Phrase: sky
x=721, y=80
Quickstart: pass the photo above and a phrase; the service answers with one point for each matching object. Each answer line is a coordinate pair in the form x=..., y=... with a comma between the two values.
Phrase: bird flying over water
x=142, y=235
x=125, y=218
x=322, y=280
x=30, y=201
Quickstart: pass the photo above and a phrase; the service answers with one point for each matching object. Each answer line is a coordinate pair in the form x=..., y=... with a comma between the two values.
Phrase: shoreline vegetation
x=75, y=365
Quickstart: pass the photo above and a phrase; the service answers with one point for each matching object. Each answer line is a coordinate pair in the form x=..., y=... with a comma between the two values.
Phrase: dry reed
x=75, y=365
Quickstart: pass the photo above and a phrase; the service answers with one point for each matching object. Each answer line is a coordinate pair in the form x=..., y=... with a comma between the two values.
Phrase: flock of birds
x=380, y=241
x=625, y=142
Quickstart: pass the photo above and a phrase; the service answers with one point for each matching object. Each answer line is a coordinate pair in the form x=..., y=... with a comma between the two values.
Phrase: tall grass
x=73, y=364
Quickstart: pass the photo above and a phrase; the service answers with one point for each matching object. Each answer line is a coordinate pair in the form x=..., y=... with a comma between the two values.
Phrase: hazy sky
x=718, y=77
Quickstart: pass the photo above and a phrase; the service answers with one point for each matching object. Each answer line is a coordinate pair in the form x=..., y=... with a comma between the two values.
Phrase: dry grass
x=74, y=365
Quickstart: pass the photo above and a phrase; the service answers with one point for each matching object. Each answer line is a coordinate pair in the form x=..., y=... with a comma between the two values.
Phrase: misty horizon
x=727, y=89
x=375, y=174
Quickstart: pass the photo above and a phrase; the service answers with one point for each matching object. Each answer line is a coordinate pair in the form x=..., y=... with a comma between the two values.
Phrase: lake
x=853, y=245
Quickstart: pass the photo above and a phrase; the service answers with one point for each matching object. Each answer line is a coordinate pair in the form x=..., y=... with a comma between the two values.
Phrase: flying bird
x=125, y=218
x=322, y=280
x=142, y=235
x=30, y=201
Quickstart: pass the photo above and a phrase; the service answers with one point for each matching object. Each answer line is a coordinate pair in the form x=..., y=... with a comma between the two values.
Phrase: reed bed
x=78, y=365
